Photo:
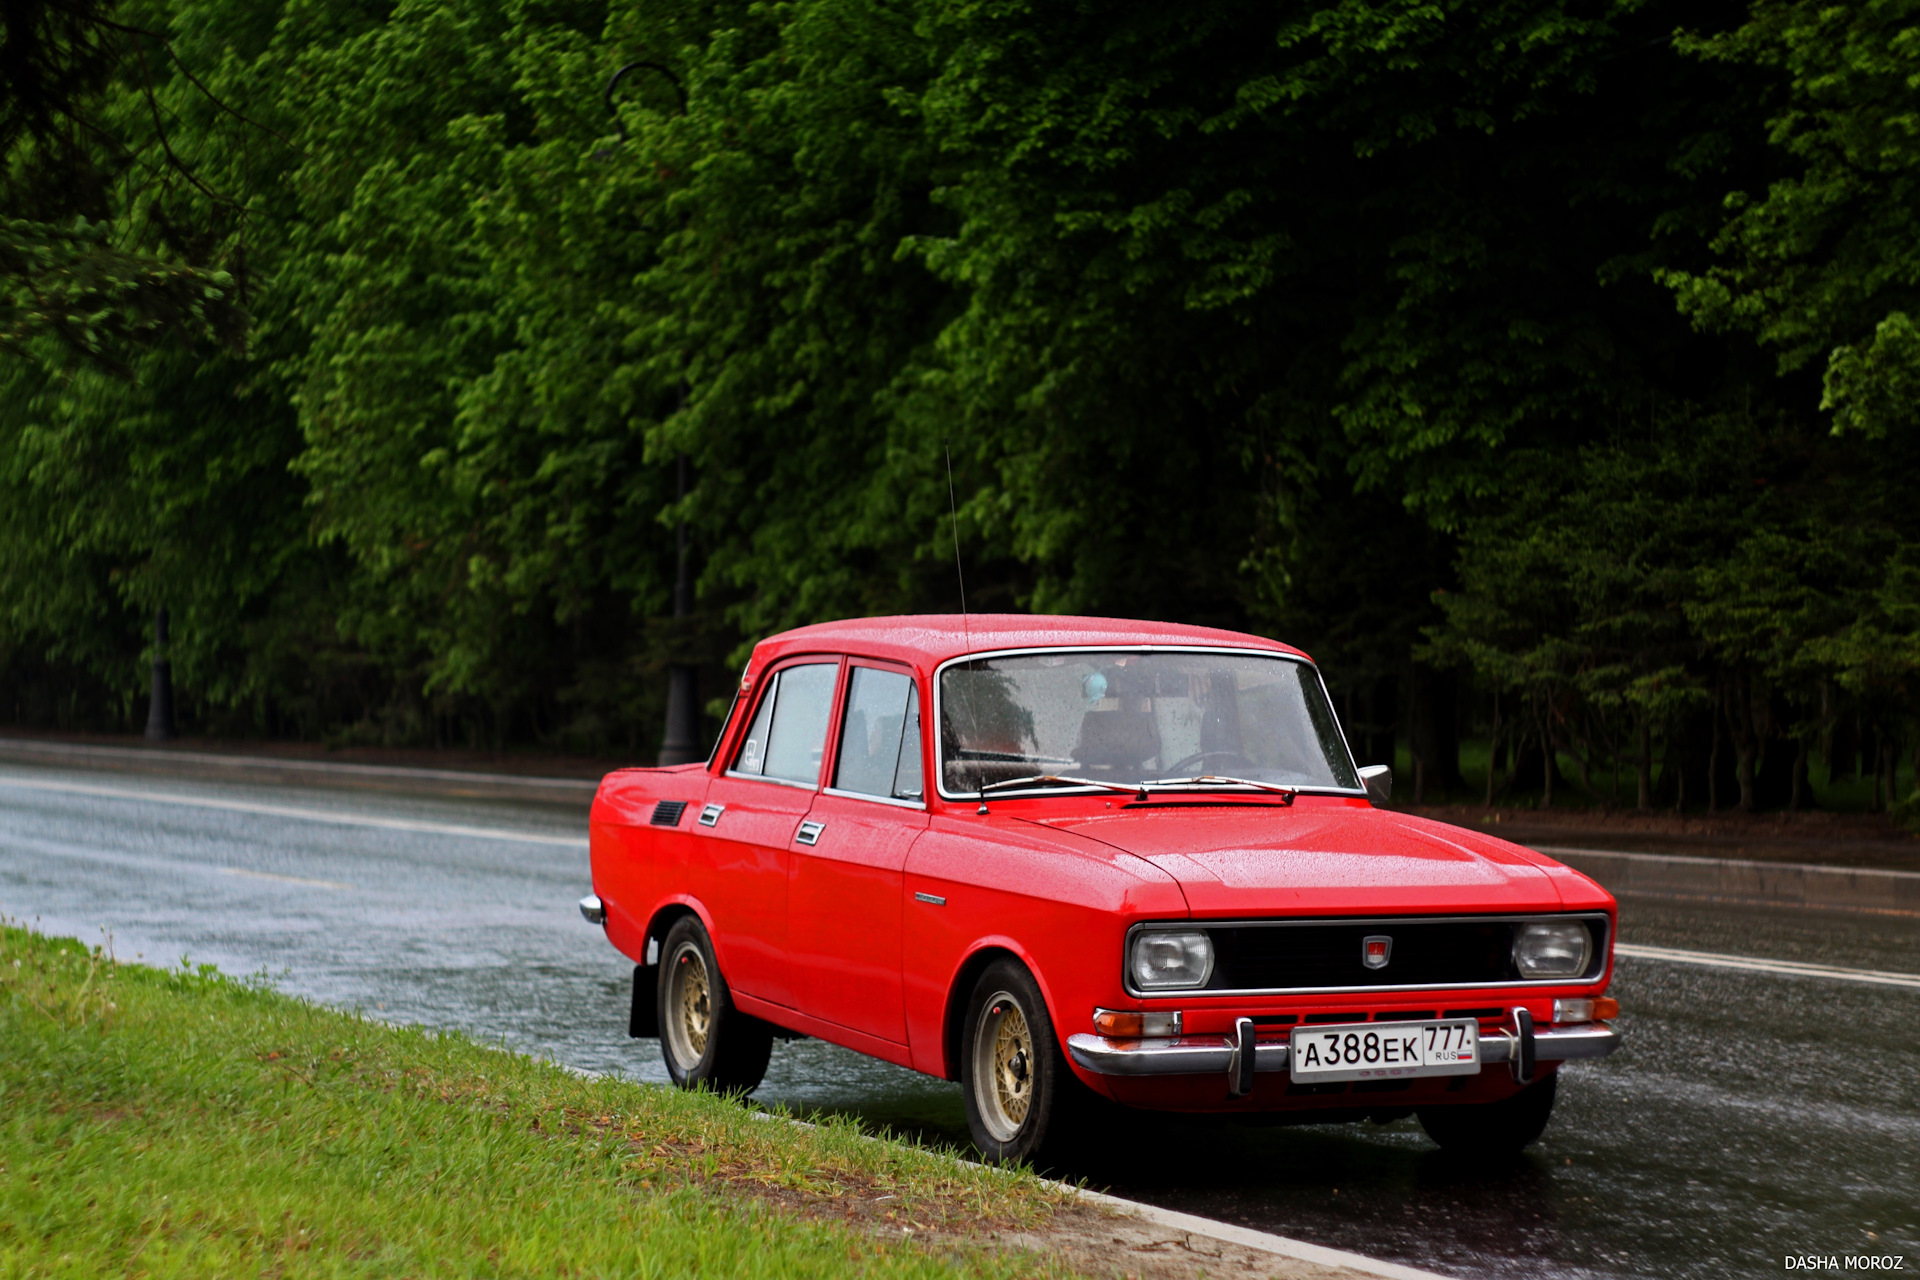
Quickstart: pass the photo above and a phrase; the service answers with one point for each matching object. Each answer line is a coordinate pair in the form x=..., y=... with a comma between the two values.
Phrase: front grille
x=1329, y=955
x=667, y=813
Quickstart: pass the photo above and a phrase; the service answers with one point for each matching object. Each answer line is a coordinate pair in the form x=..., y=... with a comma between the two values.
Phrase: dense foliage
x=1546, y=369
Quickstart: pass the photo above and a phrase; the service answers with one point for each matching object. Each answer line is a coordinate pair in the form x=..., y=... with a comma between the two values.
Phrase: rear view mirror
x=1378, y=780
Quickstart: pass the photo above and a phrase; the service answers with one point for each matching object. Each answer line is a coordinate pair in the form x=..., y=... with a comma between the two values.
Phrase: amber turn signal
x=1125, y=1025
x=1586, y=1009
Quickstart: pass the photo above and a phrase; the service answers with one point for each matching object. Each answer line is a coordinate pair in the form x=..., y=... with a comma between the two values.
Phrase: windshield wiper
x=1276, y=788
x=1136, y=789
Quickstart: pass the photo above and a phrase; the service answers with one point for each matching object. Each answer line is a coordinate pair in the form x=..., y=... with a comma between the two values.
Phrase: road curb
x=1265, y=1241
x=273, y=770
x=1172, y=1219
x=1745, y=882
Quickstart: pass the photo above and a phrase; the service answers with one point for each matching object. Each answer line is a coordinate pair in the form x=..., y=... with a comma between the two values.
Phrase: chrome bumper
x=594, y=911
x=1207, y=1055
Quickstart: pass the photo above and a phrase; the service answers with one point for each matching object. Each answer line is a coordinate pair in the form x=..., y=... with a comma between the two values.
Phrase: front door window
x=880, y=739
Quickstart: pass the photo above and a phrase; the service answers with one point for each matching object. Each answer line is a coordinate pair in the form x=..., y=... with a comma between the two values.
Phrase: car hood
x=1332, y=858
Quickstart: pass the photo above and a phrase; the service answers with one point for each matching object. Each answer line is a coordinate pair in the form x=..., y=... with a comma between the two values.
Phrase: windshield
x=1119, y=717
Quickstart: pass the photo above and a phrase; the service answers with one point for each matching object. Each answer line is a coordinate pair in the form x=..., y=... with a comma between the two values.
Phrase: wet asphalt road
x=1751, y=1116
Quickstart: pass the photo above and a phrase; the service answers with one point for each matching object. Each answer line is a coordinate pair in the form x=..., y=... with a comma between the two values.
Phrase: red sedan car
x=1053, y=858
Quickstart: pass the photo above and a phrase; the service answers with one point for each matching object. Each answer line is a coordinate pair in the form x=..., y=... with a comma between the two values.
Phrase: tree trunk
x=1746, y=739
x=1546, y=764
x=1890, y=754
x=1643, y=768
x=1713, y=767
x=1878, y=803
x=1433, y=730
x=1493, y=750
x=160, y=725
x=1799, y=797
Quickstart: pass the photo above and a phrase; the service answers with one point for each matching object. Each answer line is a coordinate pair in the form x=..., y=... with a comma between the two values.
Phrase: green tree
x=1820, y=263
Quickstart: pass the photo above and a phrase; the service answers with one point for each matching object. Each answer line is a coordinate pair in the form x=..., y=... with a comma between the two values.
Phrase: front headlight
x=1559, y=949
x=1171, y=961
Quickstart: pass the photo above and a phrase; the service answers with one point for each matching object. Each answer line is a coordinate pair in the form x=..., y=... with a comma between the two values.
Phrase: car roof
x=928, y=639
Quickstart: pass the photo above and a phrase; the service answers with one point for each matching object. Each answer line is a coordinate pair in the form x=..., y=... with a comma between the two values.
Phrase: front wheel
x=707, y=1042
x=1492, y=1130
x=1013, y=1077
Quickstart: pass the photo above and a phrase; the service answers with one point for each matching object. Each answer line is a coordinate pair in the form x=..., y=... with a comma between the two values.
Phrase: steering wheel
x=1231, y=759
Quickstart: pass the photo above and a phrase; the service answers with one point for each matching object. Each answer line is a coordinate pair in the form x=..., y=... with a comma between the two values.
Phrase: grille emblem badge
x=1375, y=951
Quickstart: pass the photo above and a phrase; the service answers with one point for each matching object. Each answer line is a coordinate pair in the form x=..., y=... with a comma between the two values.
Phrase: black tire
x=1018, y=1088
x=707, y=1042
x=1492, y=1130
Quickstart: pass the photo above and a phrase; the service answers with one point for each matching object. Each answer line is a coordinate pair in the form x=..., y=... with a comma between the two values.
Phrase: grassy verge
x=178, y=1123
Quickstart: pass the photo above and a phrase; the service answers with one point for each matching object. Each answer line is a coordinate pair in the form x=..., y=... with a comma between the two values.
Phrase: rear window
x=788, y=736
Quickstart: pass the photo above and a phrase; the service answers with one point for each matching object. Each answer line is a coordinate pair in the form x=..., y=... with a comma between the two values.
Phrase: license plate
x=1385, y=1050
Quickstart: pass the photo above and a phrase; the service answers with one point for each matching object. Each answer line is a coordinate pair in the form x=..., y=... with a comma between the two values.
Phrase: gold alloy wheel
x=1003, y=1066
x=690, y=1006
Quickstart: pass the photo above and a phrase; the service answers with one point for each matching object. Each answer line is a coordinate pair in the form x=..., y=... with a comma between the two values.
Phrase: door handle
x=810, y=832
x=710, y=815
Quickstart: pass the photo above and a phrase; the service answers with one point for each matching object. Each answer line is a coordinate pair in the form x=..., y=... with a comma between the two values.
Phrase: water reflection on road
x=1749, y=1117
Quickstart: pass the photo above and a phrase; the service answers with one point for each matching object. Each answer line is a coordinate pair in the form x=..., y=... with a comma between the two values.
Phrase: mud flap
x=643, y=1023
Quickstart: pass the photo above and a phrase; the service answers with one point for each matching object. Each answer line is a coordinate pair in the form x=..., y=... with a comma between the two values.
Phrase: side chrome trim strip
x=772, y=782
x=895, y=801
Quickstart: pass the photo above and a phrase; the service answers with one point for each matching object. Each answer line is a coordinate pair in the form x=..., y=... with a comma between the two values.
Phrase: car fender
x=960, y=983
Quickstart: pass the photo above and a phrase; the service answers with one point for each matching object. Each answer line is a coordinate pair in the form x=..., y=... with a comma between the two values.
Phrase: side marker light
x=1586, y=1009
x=1130, y=1025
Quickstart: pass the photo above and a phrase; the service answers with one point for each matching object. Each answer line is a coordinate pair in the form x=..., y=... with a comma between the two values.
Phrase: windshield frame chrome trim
x=940, y=750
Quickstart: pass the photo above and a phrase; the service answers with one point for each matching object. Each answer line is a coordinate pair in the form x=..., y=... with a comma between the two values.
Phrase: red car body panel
x=1323, y=855
x=831, y=940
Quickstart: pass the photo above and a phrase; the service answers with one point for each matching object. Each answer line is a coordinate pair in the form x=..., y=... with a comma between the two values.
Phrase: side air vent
x=667, y=813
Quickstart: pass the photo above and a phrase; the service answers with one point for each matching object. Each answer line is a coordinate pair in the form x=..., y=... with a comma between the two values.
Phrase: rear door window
x=880, y=738
x=788, y=736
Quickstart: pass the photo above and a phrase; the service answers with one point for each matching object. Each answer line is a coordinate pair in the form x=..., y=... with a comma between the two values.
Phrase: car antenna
x=966, y=633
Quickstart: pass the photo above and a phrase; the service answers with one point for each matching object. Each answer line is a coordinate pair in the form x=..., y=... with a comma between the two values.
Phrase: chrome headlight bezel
x=1165, y=960
x=1552, y=949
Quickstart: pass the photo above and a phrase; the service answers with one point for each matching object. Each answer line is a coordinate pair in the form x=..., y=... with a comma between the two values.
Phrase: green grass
x=179, y=1123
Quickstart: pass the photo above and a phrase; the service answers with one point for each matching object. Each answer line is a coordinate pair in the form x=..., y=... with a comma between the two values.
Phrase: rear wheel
x=1491, y=1130
x=1013, y=1077
x=706, y=1041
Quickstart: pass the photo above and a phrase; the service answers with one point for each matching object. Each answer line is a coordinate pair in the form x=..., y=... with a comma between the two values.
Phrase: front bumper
x=1519, y=1045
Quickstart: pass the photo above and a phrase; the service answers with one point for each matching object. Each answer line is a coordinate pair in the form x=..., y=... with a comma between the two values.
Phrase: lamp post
x=160, y=703
x=680, y=743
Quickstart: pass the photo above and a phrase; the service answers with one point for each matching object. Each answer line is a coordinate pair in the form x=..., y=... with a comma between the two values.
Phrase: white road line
x=1745, y=864
x=287, y=811
x=268, y=875
x=1790, y=968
